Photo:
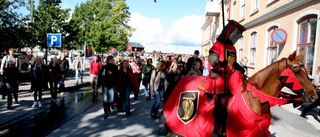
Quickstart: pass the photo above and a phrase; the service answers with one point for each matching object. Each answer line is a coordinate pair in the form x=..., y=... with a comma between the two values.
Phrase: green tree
x=102, y=24
x=49, y=17
x=13, y=31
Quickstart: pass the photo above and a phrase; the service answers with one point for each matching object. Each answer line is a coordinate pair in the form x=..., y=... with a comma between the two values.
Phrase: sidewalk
x=24, y=88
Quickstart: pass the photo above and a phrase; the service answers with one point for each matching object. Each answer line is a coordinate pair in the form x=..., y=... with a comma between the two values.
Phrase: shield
x=188, y=105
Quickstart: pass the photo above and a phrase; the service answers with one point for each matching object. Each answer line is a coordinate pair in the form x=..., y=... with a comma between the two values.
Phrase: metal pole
x=222, y=6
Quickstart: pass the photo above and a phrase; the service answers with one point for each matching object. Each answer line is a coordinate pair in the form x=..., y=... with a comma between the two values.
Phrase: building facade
x=299, y=19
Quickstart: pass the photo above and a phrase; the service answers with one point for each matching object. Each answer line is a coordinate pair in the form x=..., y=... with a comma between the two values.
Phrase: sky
x=167, y=25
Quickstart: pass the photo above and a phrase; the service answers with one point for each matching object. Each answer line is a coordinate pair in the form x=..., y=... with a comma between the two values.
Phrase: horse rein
x=291, y=66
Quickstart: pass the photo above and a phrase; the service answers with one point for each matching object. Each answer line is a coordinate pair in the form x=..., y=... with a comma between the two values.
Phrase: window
x=253, y=45
x=255, y=5
x=272, y=54
x=240, y=52
x=306, y=38
x=243, y=9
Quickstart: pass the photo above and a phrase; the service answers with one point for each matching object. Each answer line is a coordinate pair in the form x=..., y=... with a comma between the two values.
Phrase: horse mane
x=261, y=78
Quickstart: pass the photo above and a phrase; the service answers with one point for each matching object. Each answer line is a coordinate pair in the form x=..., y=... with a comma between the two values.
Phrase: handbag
x=144, y=81
x=61, y=85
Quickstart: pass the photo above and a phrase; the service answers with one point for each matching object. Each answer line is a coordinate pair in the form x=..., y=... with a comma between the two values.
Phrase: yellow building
x=299, y=19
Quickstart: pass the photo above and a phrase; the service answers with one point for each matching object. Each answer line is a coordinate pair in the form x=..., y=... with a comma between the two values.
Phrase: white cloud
x=151, y=34
x=148, y=30
x=187, y=29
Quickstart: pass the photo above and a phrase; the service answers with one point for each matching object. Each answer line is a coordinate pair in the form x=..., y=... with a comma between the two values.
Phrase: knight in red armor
x=223, y=58
x=222, y=55
x=189, y=109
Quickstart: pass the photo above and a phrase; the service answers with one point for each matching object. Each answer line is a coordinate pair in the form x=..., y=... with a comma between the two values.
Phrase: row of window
x=305, y=43
x=254, y=7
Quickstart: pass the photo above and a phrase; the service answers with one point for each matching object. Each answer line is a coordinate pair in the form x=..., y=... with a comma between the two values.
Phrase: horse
x=190, y=108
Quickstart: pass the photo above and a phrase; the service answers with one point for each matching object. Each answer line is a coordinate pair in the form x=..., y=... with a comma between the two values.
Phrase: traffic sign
x=54, y=40
x=279, y=36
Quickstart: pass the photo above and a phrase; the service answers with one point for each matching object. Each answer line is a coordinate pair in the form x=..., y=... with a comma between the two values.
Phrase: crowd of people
x=119, y=76
x=116, y=76
x=41, y=75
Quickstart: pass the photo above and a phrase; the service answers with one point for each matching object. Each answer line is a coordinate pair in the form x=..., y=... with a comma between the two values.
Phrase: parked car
x=24, y=60
x=26, y=54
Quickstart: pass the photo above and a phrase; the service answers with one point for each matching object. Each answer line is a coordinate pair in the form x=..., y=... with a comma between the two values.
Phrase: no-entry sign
x=279, y=36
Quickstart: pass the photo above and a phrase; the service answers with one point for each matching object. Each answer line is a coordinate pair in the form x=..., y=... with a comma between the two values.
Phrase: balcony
x=212, y=9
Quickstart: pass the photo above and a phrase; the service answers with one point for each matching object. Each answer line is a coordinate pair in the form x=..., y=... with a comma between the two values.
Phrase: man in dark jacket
x=64, y=67
x=192, y=59
x=11, y=78
x=109, y=76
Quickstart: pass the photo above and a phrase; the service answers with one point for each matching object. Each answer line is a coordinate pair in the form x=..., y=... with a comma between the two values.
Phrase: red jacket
x=95, y=67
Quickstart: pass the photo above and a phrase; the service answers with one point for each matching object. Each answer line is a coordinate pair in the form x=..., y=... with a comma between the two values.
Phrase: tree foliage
x=13, y=31
x=99, y=23
x=49, y=17
x=102, y=24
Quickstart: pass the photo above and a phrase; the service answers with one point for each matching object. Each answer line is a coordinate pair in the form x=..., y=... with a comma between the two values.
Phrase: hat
x=10, y=62
x=196, y=52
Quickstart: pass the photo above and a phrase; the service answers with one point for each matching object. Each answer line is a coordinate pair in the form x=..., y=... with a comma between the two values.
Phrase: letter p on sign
x=54, y=39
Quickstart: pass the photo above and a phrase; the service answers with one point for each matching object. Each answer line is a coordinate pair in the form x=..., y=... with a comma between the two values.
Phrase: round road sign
x=279, y=36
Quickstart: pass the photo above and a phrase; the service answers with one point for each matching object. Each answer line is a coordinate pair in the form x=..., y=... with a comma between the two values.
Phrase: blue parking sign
x=54, y=39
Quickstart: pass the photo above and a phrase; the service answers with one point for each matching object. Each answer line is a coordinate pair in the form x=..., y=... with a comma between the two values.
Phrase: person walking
x=206, y=66
x=195, y=69
x=38, y=79
x=316, y=83
x=192, y=59
x=137, y=71
x=147, y=69
x=5, y=61
x=173, y=77
x=5, y=64
x=127, y=82
x=158, y=85
x=11, y=78
x=64, y=67
x=109, y=77
x=79, y=66
x=95, y=70
x=54, y=78
x=243, y=63
x=181, y=64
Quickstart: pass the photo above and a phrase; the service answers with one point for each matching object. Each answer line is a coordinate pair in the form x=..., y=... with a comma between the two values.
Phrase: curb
x=47, y=92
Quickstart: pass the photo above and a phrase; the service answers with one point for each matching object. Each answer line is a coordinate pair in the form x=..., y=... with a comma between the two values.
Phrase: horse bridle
x=291, y=66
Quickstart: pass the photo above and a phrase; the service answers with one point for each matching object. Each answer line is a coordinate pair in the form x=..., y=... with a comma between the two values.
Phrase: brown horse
x=263, y=91
x=249, y=107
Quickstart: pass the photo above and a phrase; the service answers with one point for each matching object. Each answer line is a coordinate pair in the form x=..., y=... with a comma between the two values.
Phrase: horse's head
x=296, y=78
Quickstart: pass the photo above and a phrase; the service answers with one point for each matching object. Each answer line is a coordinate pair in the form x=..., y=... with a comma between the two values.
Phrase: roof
x=135, y=45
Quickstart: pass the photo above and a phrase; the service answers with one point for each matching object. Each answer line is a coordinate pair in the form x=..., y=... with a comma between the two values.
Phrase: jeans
x=108, y=94
x=147, y=90
x=157, y=100
x=63, y=75
x=205, y=72
x=53, y=89
x=79, y=73
x=12, y=89
x=125, y=97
